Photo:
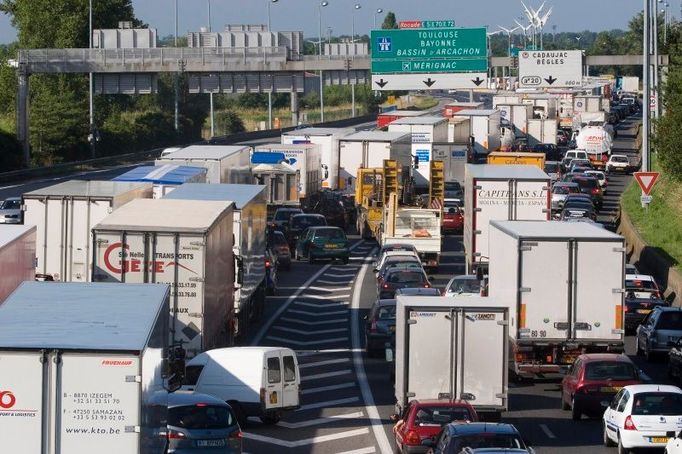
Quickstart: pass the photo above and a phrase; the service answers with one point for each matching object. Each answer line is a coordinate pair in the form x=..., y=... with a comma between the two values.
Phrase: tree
x=11, y=157
x=389, y=21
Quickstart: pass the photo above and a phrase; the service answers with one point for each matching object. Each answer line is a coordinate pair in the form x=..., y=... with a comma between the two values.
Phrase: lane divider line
x=326, y=362
x=296, y=342
x=323, y=389
x=337, y=373
x=319, y=322
x=547, y=432
x=329, y=403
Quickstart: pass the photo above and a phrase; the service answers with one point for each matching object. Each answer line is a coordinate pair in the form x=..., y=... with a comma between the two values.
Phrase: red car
x=424, y=419
x=593, y=380
x=453, y=217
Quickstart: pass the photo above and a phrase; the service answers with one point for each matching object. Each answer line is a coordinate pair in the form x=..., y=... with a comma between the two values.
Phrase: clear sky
x=567, y=15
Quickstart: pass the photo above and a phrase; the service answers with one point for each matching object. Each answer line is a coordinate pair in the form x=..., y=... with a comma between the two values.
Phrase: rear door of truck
x=544, y=308
x=483, y=357
x=83, y=215
x=22, y=409
x=598, y=294
x=533, y=200
x=491, y=203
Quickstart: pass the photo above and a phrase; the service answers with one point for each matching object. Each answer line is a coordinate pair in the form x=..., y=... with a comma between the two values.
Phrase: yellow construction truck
x=389, y=211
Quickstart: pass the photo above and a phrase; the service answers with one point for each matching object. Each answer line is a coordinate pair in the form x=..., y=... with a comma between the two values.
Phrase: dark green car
x=323, y=243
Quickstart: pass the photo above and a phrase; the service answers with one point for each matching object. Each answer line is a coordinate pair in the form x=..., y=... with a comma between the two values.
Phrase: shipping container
x=17, y=257
x=229, y=164
x=187, y=244
x=165, y=178
x=64, y=215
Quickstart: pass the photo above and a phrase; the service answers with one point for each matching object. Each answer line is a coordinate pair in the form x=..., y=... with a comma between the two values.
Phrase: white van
x=255, y=381
x=577, y=154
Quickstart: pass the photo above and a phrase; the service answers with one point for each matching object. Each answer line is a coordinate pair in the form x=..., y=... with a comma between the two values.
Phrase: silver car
x=560, y=191
x=659, y=331
x=10, y=211
x=465, y=284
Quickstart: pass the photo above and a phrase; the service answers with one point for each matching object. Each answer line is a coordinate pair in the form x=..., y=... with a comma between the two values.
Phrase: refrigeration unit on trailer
x=564, y=283
x=225, y=163
x=17, y=257
x=484, y=128
x=165, y=178
x=85, y=368
x=453, y=348
x=500, y=192
x=281, y=180
x=369, y=149
x=64, y=215
x=187, y=244
x=249, y=242
x=328, y=140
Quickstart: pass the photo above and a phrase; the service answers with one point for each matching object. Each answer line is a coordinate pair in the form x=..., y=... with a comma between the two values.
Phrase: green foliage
x=389, y=21
x=228, y=122
x=668, y=137
x=8, y=79
x=11, y=157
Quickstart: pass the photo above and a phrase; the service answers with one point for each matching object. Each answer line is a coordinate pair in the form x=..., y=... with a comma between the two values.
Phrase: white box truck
x=496, y=193
x=459, y=129
x=424, y=130
x=454, y=156
x=84, y=368
x=587, y=103
x=165, y=178
x=64, y=215
x=542, y=131
x=517, y=116
x=368, y=149
x=306, y=159
x=328, y=140
x=485, y=129
x=507, y=98
x=564, y=283
x=184, y=243
x=452, y=348
x=17, y=257
x=249, y=243
x=225, y=163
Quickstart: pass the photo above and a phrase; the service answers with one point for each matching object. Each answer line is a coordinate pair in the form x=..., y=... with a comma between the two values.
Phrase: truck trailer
x=85, y=368
x=64, y=215
x=187, y=244
x=564, y=283
x=484, y=127
x=17, y=257
x=249, y=242
x=165, y=178
x=225, y=163
x=500, y=192
x=453, y=348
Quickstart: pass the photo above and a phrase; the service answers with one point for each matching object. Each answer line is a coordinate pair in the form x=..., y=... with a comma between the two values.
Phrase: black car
x=454, y=190
x=401, y=278
x=590, y=186
x=280, y=221
x=298, y=224
x=455, y=437
x=675, y=362
x=636, y=309
x=380, y=327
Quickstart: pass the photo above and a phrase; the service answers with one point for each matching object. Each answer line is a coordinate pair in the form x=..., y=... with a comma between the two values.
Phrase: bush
x=11, y=157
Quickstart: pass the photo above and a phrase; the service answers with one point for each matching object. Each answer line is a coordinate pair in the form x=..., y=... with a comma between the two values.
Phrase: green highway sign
x=427, y=65
x=425, y=43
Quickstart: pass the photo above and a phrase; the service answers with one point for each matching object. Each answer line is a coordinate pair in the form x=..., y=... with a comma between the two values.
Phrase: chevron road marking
x=291, y=341
x=305, y=333
x=326, y=375
x=324, y=363
x=325, y=289
x=322, y=389
x=329, y=403
x=320, y=322
x=317, y=314
x=340, y=303
x=307, y=441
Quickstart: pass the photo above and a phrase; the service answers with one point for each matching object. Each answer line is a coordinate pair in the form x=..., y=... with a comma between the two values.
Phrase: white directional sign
x=433, y=81
x=550, y=68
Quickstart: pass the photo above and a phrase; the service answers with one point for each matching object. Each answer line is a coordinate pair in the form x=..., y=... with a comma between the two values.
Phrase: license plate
x=643, y=311
x=659, y=439
x=211, y=443
x=610, y=389
x=330, y=246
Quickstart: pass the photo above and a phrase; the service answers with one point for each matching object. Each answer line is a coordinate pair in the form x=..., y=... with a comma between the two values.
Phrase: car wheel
x=622, y=449
x=605, y=438
x=564, y=404
x=575, y=411
x=271, y=418
x=239, y=414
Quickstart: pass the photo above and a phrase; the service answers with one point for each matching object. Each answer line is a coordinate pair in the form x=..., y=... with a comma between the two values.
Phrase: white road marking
x=341, y=282
x=317, y=314
x=372, y=411
x=343, y=268
x=305, y=333
x=317, y=305
x=326, y=351
x=320, y=322
x=325, y=289
x=325, y=297
x=323, y=389
x=338, y=275
x=268, y=323
x=324, y=363
x=295, y=342
x=337, y=373
x=328, y=403
x=368, y=450
x=307, y=441
x=547, y=432
x=319, y=421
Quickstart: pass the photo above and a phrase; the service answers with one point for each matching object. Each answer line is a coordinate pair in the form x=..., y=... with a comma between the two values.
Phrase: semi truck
x=17, y=257
x=164, y=178
x=542, y=131
x=451, y=109
x=484, y=129
x=453, y=348
x=281, y=180
x=187, y=244
x=386, y=118
x=508, y=157
x=455, y=156
x=225, y=163
x=597, y=142
x=64, y=215
x=85, y=368
x=500, y=192
x=328, y=140
x=516, y=116
x=249, y=242
x=564, y=283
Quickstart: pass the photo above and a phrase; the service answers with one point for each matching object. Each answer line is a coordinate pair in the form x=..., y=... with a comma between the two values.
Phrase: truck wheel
x=271, y=418
x=238, y=414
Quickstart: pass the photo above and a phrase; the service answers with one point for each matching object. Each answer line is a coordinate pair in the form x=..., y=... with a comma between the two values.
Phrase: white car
x=641, y=286
x=674, y=445
x=643, y=416
x=465, y=284
x=618, y=163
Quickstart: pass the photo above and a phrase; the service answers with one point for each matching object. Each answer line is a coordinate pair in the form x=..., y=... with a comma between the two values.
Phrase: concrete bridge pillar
x=22, y=112
x=294, y=108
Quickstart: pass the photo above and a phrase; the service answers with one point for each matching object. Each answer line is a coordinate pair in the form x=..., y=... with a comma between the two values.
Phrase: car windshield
x=283, y=215
x=278, y=239
x=200, y=417
x=303, y=222
x=610, y=370
x=562, y=190
x=402, y=265
x=486, y=440
x=589, y=183
x=552, y=168
x=452, y=186
x=657, y=403
x=404, y=277
x=440, y=416
x=640, y=284
x=465, y=286
x=330, y=234
x=387, y=312
x=670, y=320
x=10, y=205
x=619, y=159
x=598, y=175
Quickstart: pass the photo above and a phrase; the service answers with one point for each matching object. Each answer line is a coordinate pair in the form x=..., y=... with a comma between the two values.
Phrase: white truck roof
x=206, y=152
x=9, y=232
x=505, y=171
x=450, y=301
x=318, y=132
x=166, y=215
x=378, y=136
x=419, y=120
x=554, y=230
x=476, y=112
x=81, y=316
x=92, y=189
x=240, y=194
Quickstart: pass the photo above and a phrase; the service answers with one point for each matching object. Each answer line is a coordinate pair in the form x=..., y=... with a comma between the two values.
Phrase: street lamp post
x=352, y=85
x=208, y=2
x=352, y=37
x=270, y=92
x=177, y=76
x=92, y=136
x=269, y=21
x=646, y=100
x=319, y=8
x=379, y=11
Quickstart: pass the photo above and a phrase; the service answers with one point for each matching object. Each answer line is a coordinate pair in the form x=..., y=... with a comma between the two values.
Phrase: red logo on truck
x=135, y=265
x=7, y=399
x=117, y=362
